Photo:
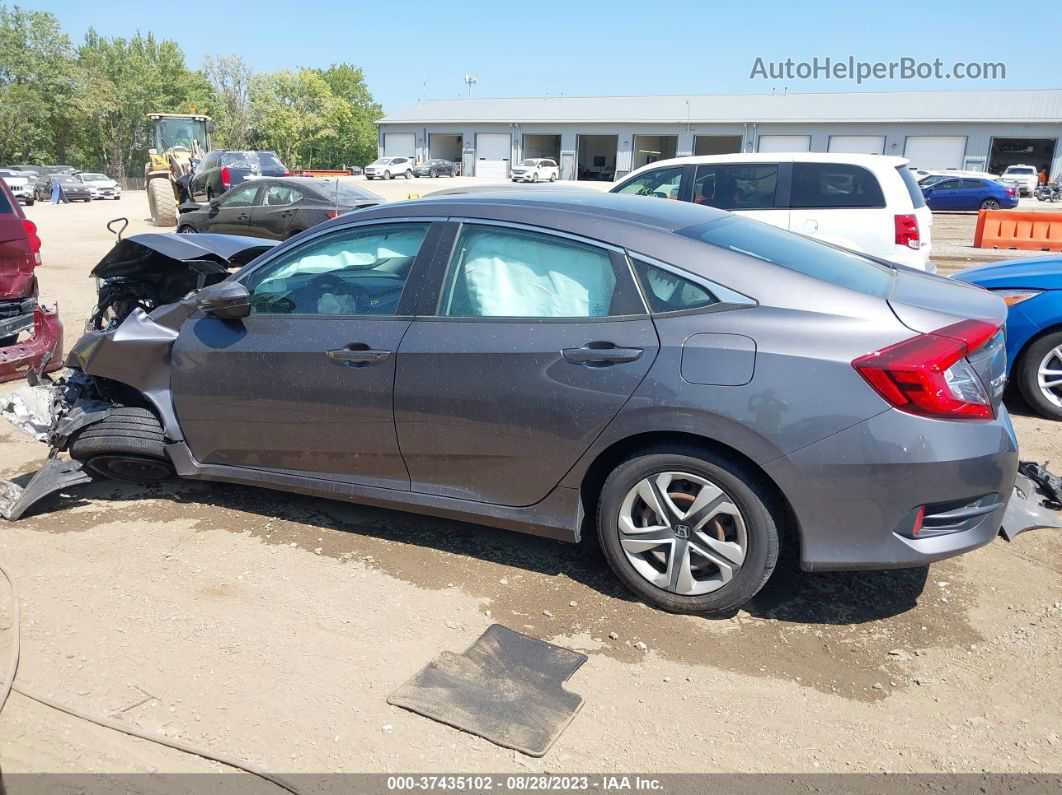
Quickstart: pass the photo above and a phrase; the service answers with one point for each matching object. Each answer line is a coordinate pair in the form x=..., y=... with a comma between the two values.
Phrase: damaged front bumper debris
x=50, y=412
x=1035, y=501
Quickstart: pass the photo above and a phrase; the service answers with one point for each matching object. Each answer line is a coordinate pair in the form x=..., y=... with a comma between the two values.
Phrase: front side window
x=503, y=272
x=834, y=185
x=358, y=271
x=736, y=186
x=242, y=196
x=661, y=183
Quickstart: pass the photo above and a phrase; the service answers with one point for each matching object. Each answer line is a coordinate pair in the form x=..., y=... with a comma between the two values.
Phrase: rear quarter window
x=834, y=185
x=913, y=189
x=796, y=253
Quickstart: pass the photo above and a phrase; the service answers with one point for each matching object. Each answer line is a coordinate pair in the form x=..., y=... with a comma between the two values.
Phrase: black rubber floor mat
x=507, y=688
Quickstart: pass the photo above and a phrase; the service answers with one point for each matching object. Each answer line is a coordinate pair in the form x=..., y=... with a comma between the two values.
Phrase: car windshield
x=383, y=161
x=95, y=177
x=68, y=180
x=255, y=161
x=344, y=193
x=797, y=253
x=529, y=162
x=1013, y=170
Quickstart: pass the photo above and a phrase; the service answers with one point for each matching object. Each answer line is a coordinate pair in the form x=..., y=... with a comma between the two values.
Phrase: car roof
x=565, y=209
x=867, y=161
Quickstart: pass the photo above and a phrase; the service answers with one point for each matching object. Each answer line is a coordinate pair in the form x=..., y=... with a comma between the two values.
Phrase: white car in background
x=867, y=203
x=102, y=186
x=1021, y=177
x=536, y=169
x=19, y=184
x=389, y=168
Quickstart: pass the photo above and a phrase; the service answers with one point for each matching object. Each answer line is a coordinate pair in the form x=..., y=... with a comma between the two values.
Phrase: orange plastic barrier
x=1020, y=230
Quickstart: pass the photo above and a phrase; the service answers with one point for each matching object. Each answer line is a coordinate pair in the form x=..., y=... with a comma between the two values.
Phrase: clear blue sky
x=592, y=47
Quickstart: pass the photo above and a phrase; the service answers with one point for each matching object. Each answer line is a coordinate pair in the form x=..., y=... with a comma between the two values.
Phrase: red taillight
x=287, y=173
x=333, y=213
x=907, y=231
x=225, y=176
x=1011, y=192
x=929, y=374
x=33, y=239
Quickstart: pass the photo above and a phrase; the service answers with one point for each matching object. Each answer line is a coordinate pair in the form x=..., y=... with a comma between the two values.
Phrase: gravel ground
x=273, y=627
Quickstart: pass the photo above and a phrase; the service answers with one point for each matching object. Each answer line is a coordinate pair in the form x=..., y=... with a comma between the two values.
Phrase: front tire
x=387, y=175
x=989, y=204
x=1040, y=375
x=185, y=230
x=128, y=444
x=162, y=202
x=409, y=174
x=688, y=530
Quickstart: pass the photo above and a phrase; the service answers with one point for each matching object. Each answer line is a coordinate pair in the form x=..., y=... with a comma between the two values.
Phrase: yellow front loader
x=179, y=140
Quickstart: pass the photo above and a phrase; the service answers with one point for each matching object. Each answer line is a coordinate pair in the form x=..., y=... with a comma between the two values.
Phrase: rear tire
x=989, y=204
x=185, y=230
x=128, y=444
x=162, y=202
x=1043, y=354
x=741, y=538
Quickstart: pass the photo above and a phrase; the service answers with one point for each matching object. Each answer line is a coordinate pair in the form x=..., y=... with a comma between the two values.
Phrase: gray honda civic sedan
x=690, y=384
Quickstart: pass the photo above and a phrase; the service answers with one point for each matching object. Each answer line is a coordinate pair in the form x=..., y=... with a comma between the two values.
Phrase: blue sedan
x=969, y=193
x=1032, y=288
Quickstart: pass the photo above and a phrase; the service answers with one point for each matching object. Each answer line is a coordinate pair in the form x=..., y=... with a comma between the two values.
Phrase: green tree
x=356, y=142
x=296, y=115
x=131, y=78
x=231, y=80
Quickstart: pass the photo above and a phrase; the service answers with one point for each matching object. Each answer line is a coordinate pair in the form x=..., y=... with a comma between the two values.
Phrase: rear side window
x=797, y=253
x=972, y=184
x=502, y=272
x=668, y=292
x=834, y=185
x=736, y=186
x=5, y=205
x=913, y=189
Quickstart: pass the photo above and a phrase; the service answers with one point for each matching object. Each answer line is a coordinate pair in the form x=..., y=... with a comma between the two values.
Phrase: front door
x=305, y=382
x=534, y=345
x=232, y=214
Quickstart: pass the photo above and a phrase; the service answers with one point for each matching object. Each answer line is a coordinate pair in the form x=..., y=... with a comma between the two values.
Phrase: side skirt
x=559, y=516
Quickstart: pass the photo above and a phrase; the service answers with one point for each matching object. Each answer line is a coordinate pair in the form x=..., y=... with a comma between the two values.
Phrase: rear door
x=758, y=190
x=841, y=203
x=275, y=211
x=529, y=347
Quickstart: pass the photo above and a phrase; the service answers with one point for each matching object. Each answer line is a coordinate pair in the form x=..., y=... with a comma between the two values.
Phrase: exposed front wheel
x=128, y=444
x=687, y=530
x=989, y=204
x=387, y=175
x=1040, y=375
x=409, y=174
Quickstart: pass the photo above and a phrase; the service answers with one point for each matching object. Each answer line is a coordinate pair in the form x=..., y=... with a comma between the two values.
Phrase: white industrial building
x=607, y=137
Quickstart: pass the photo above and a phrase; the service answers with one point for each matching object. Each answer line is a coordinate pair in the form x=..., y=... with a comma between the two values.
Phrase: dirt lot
x=273, y=627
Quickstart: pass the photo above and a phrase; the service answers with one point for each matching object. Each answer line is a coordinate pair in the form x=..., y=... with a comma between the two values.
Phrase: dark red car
x=28, y=332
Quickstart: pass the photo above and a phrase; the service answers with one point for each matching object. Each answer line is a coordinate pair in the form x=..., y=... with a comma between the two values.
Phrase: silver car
x=692, y=386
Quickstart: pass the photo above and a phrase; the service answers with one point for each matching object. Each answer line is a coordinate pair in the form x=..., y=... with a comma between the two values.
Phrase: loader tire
x=128, y=444
x=162, y=202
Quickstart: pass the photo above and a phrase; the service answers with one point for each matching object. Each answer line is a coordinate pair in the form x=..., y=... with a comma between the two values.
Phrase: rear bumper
x=45, y=337
x=854, y=494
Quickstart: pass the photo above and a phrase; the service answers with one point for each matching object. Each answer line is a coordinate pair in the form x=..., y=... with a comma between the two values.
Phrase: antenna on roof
x=470, y=80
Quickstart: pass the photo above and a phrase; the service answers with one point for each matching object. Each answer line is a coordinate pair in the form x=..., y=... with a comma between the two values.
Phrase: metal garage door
x=400, y=145
x=493, y=151
x=858, y=144
x=785, y=143
x=936, y=152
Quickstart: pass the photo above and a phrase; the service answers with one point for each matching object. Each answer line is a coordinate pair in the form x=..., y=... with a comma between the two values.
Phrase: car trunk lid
x=926, y=303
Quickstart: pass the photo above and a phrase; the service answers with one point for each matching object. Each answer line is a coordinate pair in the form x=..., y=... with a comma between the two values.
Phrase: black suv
x=221, y=170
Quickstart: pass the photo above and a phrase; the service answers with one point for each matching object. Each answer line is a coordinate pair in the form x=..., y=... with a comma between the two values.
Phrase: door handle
x=601, y=353
x=358, y=354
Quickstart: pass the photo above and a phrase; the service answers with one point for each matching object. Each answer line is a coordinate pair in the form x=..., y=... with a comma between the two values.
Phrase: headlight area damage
x=111, y=409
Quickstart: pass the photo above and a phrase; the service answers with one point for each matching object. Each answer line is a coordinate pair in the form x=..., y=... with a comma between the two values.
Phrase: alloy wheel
x=1049, y=375
x=682, y=533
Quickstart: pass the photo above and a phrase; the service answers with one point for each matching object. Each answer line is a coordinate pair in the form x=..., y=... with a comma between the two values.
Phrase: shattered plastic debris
x=30, y=410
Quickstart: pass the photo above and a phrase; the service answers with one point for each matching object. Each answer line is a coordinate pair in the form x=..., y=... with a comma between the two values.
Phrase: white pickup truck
x=1021, y=177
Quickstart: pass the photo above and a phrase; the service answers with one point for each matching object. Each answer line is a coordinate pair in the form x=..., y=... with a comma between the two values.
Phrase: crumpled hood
x=143, y=255
x=1037, y=273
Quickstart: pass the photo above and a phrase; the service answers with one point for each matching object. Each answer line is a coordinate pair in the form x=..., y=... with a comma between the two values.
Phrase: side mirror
x=215, y=203
x=226, y=300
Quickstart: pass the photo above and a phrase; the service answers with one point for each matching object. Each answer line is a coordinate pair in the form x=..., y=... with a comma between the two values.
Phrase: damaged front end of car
x=121, y=364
